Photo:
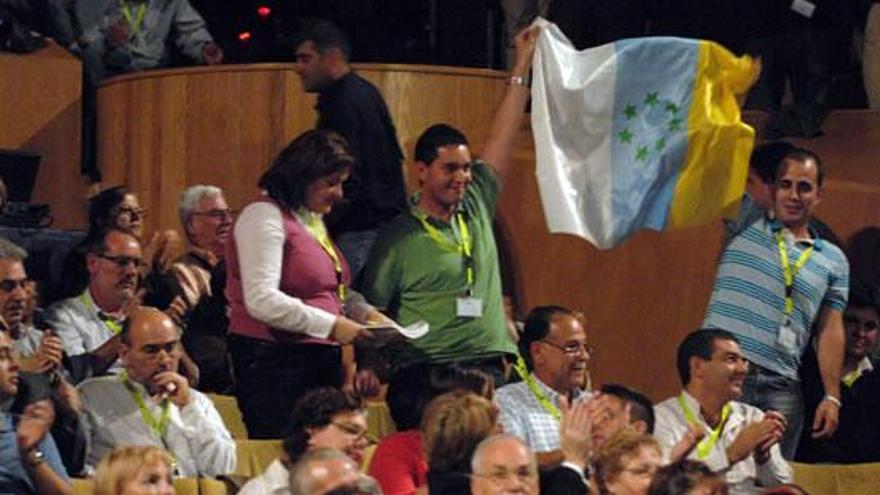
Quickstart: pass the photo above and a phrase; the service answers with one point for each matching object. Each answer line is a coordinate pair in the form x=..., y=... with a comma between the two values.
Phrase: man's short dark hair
x=325, y=35
x=802, y=155
x=640, y=407
x=699, y=343
x=310, y=156
x=98, y=243
x=863, y=295
x=766, y=158
x=437, y=136
x=315, y=409
x=537, y=327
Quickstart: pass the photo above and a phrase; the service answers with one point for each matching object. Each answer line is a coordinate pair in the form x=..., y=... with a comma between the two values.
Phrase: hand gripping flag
x=639, y=134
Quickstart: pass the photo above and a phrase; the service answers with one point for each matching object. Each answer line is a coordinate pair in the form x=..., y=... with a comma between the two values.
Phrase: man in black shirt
x=353, y=107
x=857, y=438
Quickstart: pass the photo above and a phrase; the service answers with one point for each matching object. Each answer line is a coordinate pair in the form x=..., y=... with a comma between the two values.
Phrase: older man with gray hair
x=196, y=281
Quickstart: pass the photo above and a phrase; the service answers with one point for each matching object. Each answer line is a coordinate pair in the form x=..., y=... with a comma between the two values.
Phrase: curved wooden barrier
x=161, y=131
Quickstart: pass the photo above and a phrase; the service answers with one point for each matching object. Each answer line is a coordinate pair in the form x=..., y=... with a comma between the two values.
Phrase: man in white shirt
x=151, y=404
x=731, y=437
x=90, y=322
x=554, y=366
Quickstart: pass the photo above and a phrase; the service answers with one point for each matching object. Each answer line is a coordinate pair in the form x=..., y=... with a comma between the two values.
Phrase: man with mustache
x=89, y=324
x=553, y=369
x=41, y=351
x=776, y=281
x=197, y=278
x=149, y=403
x=731, y=437
x=858, y=438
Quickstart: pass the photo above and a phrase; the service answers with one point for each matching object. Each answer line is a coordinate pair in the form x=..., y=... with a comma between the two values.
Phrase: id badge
x=469, y=307
x=803, y=7
x=787, y=339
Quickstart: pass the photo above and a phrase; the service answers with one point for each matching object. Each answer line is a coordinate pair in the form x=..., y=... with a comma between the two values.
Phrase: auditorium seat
x=829, y=479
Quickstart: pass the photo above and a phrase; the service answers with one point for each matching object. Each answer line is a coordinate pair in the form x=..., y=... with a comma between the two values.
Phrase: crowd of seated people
x=111, y=381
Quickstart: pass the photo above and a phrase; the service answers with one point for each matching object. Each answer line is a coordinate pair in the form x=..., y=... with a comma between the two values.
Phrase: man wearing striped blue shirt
x=776, y=282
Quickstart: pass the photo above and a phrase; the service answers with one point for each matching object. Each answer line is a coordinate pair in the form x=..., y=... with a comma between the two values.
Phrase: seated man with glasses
x=149, y=403
x=553, y=366
x=197, y=279
x=858, y=437
x=90, y=322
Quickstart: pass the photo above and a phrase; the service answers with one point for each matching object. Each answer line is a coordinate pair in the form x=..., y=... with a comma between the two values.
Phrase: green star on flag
x=630, y=112
x=660, y=144
x=675, y=124
x=642, y=153
x=671, y=107
x=625, y=136
x=651, y=99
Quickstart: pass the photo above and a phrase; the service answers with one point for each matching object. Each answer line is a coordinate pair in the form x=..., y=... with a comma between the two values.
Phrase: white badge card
x=469, y=307
x=803, y=7
x=787, y=339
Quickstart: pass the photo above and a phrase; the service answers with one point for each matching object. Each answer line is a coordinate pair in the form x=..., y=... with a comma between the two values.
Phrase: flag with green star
x=641, y=133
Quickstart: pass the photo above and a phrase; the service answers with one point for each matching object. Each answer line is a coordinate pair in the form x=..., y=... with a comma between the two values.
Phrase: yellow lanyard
x=463, y=246
x=789, y=272
x=160, y=426
x=134, y=23
x=316, y=227
x=539, y=394
x=110, y=323
x=705, y=446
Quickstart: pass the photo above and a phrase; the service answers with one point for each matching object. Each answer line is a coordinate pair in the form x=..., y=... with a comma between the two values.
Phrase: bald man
x=322, y=471
x=151, y=404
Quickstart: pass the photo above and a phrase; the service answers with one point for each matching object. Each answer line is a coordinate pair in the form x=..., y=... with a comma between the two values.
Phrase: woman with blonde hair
x=626, y=463
x=453, y=424
x=135, y=470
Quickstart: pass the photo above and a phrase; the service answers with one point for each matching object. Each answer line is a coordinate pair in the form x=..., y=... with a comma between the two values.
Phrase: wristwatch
x=34, y=458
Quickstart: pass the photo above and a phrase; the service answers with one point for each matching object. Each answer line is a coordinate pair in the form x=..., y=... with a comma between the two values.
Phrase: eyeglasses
x=349, y=429
x=9, y=285
x=524, y=474
x=124, y=261
x=571, y=348
x=850, y=321
x=216, y=214
x=132, y=213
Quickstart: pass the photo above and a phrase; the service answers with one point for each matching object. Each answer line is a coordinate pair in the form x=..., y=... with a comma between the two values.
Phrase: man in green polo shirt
x=438, y=262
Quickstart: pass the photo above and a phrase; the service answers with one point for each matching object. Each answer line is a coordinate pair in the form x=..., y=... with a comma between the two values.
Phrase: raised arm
x=507, y=120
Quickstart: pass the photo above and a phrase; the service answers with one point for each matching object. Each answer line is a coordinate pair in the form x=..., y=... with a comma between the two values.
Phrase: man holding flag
x=776, y=282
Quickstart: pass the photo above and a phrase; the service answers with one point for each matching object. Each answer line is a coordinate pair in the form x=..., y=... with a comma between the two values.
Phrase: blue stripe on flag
x=653, y=96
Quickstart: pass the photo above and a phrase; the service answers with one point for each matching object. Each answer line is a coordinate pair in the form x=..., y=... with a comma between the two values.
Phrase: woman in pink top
x=291, y=312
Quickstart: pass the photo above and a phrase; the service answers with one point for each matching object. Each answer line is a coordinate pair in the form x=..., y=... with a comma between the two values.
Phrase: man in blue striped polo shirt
x=776, y=281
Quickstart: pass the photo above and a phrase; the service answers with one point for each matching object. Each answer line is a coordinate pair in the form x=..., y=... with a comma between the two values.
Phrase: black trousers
x=270, y=377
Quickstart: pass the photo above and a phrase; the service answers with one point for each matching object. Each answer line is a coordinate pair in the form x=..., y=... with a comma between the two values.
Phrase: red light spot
x=244, y=36
x=264, y=11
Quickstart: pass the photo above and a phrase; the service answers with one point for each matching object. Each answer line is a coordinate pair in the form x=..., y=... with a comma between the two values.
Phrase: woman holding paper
x=292, y=315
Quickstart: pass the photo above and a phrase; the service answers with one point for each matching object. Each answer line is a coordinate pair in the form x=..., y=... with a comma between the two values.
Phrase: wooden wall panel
x=166, y=129
x=40, y=112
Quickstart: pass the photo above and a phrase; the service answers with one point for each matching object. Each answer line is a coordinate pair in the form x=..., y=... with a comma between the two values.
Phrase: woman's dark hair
x=103, y=208
x=315, y=409
x=413, y=387
x=310, y=156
